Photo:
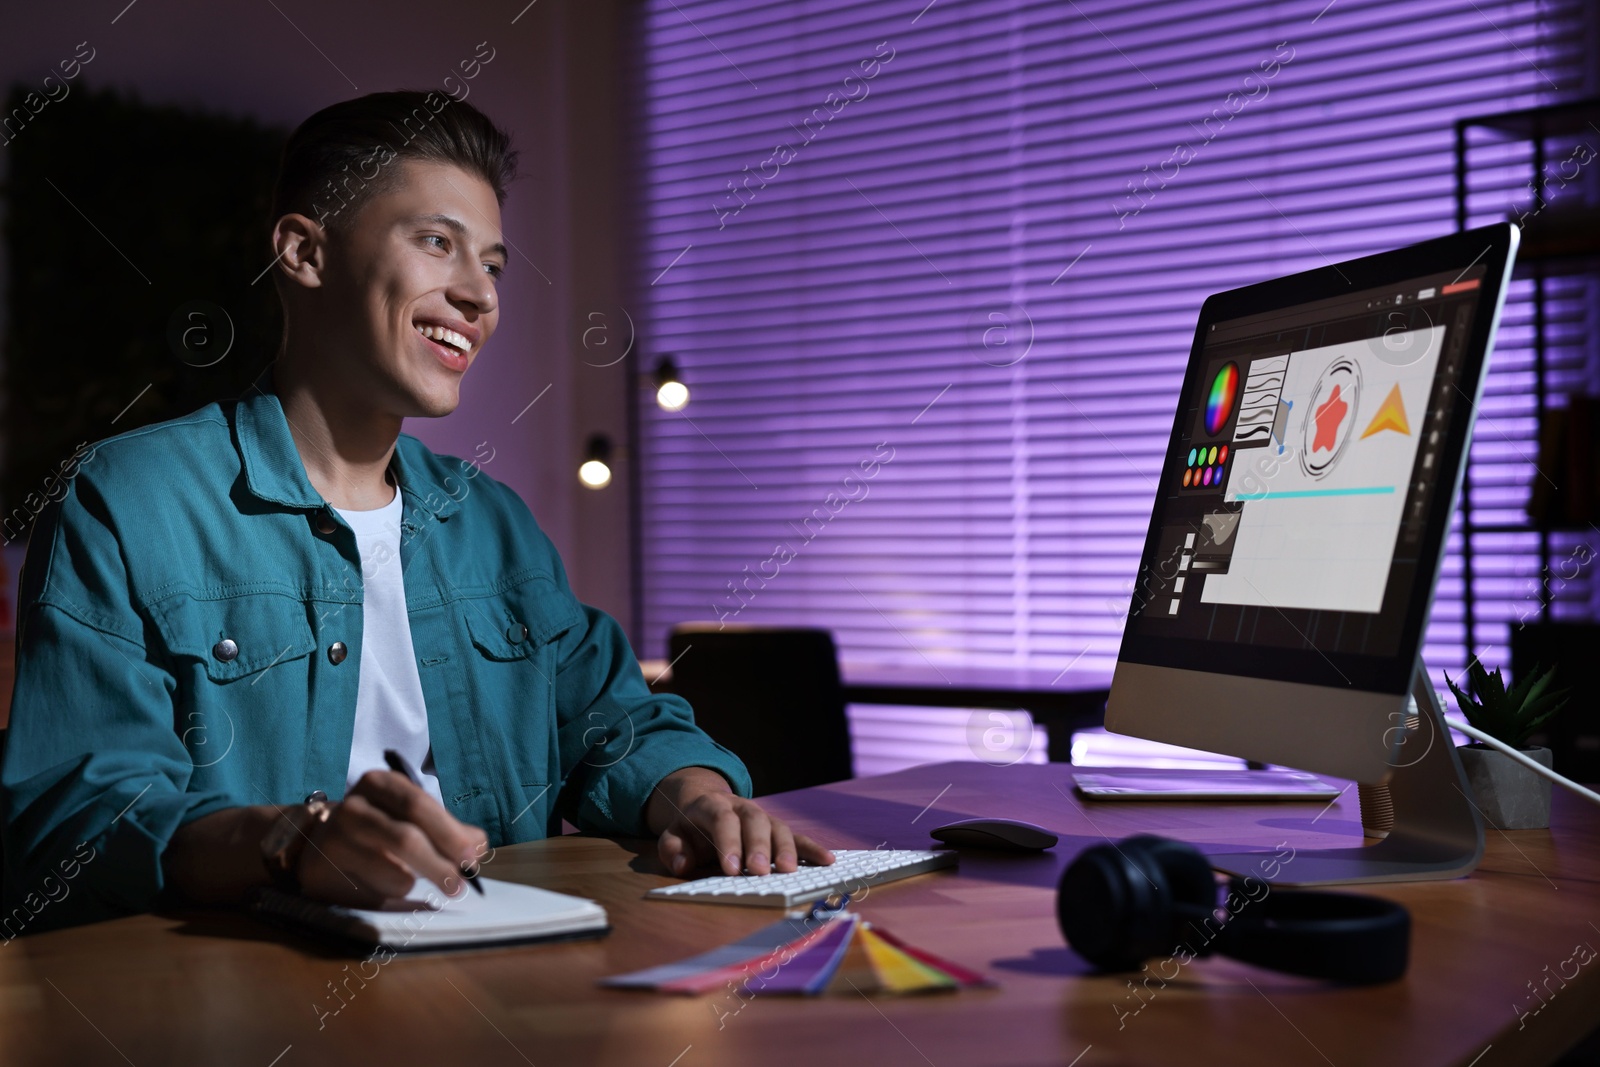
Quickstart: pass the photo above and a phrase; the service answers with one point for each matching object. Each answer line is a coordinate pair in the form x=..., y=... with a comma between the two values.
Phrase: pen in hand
x=401, y=765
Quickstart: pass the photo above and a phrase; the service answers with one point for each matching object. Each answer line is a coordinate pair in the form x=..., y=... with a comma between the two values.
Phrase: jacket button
x=325, y=524
x=316, y=794
x=516, y=632
x=225, y=650
x=336, y=653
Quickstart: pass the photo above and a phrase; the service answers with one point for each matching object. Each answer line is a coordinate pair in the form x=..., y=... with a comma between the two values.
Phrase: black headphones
x=1145, y=897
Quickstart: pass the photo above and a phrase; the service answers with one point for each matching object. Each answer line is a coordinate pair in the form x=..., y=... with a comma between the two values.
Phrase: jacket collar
x=274, y=471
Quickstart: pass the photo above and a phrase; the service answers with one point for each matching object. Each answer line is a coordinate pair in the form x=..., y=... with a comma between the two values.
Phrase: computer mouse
x=1009, y=835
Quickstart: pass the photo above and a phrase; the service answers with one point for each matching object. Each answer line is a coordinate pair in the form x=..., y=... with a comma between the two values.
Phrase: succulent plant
x=1508, y=716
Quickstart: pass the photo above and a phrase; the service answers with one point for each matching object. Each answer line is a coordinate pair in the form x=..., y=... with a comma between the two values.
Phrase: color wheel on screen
x=1220, y=401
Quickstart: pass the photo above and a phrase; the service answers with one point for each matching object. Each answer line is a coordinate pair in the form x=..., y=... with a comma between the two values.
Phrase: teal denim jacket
x=131, y=717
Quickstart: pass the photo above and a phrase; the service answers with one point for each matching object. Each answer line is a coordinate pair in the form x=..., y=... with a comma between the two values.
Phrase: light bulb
x=672, y=396
x=595, y=471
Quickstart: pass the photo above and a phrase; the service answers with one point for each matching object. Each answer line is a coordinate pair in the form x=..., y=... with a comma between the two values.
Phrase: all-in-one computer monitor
x=1297, y=533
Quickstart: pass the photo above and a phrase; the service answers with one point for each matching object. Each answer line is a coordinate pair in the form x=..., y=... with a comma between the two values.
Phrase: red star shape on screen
x=1328, y=418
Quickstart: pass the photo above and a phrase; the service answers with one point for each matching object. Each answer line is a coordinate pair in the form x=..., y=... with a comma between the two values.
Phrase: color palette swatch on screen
x=839, y=953
x=1204, y=467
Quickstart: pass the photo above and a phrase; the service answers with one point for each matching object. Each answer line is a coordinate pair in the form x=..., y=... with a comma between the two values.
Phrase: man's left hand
x=702, y=823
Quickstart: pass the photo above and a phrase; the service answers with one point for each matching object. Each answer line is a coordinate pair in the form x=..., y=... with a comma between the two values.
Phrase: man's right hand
x=380, y=838
x=366, y=852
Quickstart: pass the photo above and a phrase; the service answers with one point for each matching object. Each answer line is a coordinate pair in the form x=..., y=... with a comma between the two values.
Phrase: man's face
x=411, y=287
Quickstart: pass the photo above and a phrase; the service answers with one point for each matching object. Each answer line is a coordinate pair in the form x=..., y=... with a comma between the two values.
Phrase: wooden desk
x=219, y=989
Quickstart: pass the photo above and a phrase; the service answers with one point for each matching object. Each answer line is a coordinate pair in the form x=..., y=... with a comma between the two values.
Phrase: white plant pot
x=1510, y=796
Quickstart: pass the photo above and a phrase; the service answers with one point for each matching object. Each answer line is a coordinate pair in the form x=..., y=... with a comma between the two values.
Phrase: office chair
x=771, y=694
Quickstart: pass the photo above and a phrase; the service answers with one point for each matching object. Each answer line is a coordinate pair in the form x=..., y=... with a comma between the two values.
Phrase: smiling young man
x=229, y=617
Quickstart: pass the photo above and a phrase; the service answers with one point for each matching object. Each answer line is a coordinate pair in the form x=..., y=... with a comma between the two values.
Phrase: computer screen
x=1305, y=496
x=1292, y=511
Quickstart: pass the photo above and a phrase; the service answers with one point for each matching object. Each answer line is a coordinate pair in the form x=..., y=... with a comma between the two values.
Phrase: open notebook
x=504, y=912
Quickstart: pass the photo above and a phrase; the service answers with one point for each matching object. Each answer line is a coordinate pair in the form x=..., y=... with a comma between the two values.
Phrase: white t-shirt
x=390, y=712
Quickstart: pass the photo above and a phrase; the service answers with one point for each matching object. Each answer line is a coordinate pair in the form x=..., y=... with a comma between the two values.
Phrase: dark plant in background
x=123, y=220
x=1511, y=716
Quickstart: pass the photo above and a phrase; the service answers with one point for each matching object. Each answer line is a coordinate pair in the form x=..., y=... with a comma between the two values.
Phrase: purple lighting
x=982, y=270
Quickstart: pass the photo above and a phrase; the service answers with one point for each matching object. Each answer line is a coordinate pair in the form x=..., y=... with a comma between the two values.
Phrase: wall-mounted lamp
x=595, y=473
x=671, y=393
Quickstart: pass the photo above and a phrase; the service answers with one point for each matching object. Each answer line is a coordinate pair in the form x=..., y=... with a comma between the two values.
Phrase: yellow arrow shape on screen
x=1391, y=416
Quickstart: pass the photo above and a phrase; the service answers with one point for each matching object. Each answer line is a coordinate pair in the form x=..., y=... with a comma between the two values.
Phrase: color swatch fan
x=833, y=953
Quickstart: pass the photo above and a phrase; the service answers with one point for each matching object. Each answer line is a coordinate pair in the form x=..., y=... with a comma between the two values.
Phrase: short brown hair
x=341, y=156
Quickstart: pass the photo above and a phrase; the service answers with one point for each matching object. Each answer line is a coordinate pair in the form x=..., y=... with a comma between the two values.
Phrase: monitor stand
x=1437, y=832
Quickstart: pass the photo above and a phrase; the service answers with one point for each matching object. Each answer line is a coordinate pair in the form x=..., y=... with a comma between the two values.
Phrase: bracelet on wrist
x=285, y=841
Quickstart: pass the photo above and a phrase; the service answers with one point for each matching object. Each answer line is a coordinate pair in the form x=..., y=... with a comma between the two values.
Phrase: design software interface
x=1305, y=468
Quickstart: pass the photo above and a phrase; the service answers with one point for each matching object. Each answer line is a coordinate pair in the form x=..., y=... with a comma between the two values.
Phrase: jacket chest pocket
x=242, y=677
x=519, y=622
x=497, y=632
x=508, y=682
x=232, y=638
x=511, y=653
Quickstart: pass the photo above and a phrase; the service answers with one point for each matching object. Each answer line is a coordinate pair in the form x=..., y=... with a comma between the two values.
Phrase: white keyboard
x=851, y=871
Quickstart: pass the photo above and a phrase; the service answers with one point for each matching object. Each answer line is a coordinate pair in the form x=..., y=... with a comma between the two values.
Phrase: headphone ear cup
x=1114, y=906
x=1189, y=880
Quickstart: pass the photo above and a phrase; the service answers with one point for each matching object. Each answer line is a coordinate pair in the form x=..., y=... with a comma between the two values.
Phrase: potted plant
x=1510, y=795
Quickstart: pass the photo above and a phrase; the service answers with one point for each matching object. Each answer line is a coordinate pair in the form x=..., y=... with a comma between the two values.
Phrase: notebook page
x=503, y=910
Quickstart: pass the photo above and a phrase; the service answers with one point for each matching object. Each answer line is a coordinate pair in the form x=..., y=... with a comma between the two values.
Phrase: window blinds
x=931, y=273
